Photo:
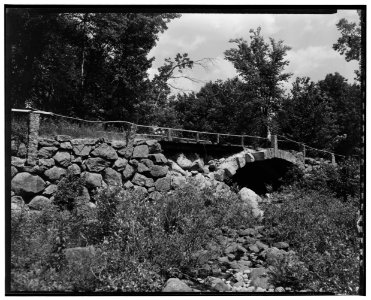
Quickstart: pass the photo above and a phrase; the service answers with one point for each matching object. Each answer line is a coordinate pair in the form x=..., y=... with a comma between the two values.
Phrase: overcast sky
x=207, y=35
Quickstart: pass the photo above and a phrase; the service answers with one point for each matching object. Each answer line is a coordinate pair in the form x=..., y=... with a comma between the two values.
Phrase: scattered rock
x=27, y=184
x=154, y=146
x=259, y=278
x=175, y=285
x=218, y=284
x=155, y=196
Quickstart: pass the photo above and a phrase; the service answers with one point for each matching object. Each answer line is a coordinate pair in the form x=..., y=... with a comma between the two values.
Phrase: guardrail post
x=333, y=159
x=274, y=143
x=218, y=138
x=33, y=138
x=169, y=137
x=242, y=141
x=197, y=137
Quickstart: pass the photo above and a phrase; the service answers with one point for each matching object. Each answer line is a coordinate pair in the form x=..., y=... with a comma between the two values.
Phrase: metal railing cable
x=316, y=149
x=29, y=110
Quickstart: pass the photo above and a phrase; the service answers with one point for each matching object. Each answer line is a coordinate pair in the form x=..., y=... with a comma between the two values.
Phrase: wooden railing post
x=197, y=137
x=169, y=137
x=333, y=159
x=274, y=143
x=33, y=138
x=242, y=141
x=304, y=152
x=218, y=138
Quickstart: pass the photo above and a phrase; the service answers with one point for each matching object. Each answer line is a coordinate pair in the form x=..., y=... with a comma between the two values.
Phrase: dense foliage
x=138, y=243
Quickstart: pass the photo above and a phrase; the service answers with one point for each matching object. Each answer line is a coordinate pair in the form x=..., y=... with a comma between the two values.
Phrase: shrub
x=69, y=189
x=322, y=230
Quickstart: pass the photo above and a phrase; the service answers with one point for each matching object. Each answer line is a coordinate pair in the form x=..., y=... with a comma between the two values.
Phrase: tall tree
x=261, y=66
x=349, y=44
x=88, y=64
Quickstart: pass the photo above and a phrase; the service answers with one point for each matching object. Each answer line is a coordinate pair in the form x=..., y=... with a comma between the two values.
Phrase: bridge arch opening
x=263, y=176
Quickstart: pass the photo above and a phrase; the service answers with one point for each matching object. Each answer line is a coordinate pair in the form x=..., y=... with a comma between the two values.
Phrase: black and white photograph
x=195, y=150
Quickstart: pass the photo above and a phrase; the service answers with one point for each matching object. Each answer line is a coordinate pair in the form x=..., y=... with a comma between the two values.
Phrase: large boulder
x=92, y=180
x=251, y=199
x=55, y=173
x=184, y=162
x=159, y=171
x=39, y=203
x=105, y=151
x=141, y=151
x=27, y=184
x=175, y=285
x=96, y=164
x=112, y=177
x=230, y=167
x=63, y=158
x=142, y=180
x=175, y=167
x=198, y=165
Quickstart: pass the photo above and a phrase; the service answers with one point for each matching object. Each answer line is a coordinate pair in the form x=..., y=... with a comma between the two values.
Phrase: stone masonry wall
x=137, y=165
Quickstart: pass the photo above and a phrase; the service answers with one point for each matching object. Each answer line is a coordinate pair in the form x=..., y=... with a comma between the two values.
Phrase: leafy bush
x=322, y=230
x=68, y=192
